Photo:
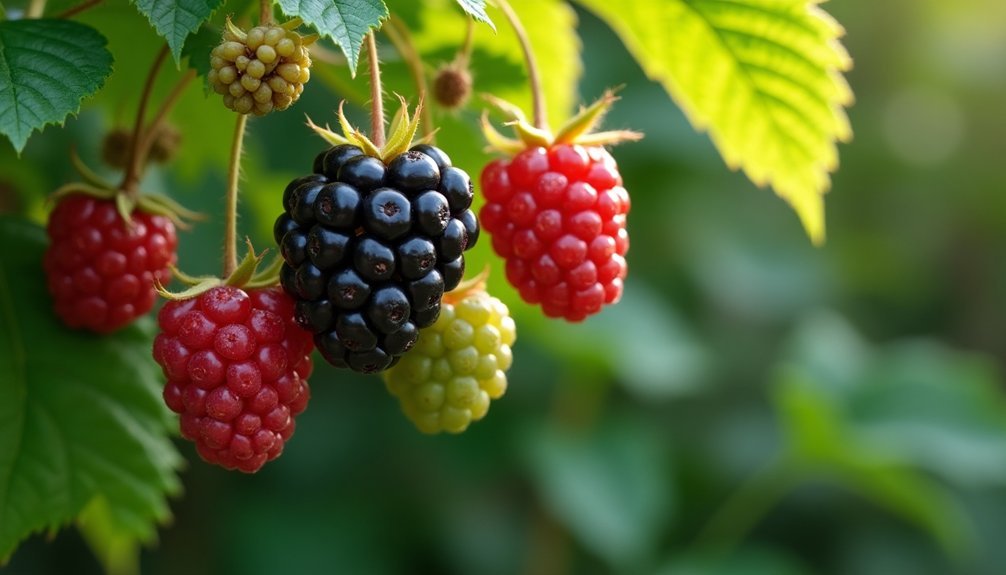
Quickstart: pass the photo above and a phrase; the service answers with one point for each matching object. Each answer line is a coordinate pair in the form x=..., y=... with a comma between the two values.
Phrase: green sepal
x=587, y=119
x=86, y=172
x=193, y=291
x=246, y=267
x=497, y=141
x=403, y=130
x=165, y=206
x=328, y=135
x=267, y=277
x=233, y=33
x=125, y=204
x=81, y=188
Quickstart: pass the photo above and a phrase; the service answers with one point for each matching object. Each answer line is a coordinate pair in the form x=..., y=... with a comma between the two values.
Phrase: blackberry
x=371, y=246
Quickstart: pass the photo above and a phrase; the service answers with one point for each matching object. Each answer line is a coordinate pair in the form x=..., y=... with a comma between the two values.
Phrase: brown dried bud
x=452, y=85
x=115, y=148
x=165, y=145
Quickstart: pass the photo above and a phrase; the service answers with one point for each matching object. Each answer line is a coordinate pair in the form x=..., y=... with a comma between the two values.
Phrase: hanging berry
x=372, y=240
x=261, y=70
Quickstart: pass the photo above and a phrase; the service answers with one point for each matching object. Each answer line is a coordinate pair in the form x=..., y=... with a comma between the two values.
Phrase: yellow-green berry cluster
x=457, y=366
x=260, y=71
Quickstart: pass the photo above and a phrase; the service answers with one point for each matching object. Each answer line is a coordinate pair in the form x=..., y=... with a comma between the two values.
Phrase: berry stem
x=231, y=216
x=150, y=135
x=376, y=94
x=465, y=53
x=752, y=500
x=36, y=8
x=132, y=177
x=399, y=35
x=265, y=12
x=540, y=119
x=74, y=10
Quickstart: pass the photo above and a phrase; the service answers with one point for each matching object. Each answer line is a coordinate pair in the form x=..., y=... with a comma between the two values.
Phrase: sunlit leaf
x=762, y=76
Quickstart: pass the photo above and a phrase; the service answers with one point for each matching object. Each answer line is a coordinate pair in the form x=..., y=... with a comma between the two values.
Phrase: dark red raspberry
x=237, y=366
x=557, y=216
x=101, y=270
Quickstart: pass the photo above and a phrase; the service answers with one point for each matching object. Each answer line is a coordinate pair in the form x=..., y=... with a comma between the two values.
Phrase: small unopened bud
x=452, y=86
x=115, y=148
x=165, y=145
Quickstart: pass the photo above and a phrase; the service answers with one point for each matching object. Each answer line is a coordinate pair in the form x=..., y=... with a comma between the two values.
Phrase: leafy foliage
x=177, y=19
x=46, y=68
x=763, y=76
x=477, y=10
x=344, y=21
x=78, y=433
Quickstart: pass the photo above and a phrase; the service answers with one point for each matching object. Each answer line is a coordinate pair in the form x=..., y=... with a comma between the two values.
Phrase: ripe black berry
x=364, y=173
x=370, y=249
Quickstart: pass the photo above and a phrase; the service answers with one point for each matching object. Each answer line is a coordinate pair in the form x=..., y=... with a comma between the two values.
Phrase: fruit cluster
x=370, y=248
x=557, y=216
x=237, y=368
x=458, y=365
x=100, y=269
x=260, y=71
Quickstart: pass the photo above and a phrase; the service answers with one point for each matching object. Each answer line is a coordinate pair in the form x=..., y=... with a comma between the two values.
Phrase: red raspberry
x=557, y=216
x=100, y=270
x=237, y=366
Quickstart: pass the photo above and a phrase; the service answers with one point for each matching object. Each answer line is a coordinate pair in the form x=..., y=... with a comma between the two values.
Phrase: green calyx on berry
x=578, y=130
x=246, y=275
x=403, y=132
x=126, y=203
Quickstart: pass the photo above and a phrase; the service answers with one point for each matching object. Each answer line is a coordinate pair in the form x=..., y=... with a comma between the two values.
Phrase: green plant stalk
x=74, y=10
x=150, y=134
x=231, y=215
x=265, y=12
x=534, y=75
x=131, y=179
x=398, y=34
x=36, y=8
x=376, y=93
x=748, y=505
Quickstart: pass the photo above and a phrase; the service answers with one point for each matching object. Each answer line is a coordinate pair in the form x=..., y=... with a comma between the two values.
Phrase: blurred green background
x=754, y=406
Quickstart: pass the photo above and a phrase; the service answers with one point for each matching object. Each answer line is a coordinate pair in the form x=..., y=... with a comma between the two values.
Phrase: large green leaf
x=177, y=19
x=610, y=487
x=477, y=9
x=763, y=76
x=344, y=21
x=823, y=445
x=81, y=417
x=46, y=68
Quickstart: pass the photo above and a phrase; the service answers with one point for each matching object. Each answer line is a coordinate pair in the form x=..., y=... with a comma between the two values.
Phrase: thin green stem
x=265, y=12
x=131, y=179
x=231, y=215
x=537, y=93
x=465, y=53
x=74, y=10
x=36, y=8
x=401, y=39
x=748, y=505
x=376, y=93
x=150, y=134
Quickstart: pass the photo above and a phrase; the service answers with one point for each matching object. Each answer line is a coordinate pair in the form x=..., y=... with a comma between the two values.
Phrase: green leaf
x=198, y=48
x=346, y=22
x=744, y=561
x=176, y=19
x=477, y=9
x=81, y=417
x=824, y=446
x=610, y=487
x=46, y=68
x=762, y=76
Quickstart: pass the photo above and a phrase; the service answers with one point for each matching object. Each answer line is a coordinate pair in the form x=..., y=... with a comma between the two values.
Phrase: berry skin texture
x=100, y=271
x=557, y=216
x=370, y=248
x=264, y=71
x=236, y=366
x=457, y=367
